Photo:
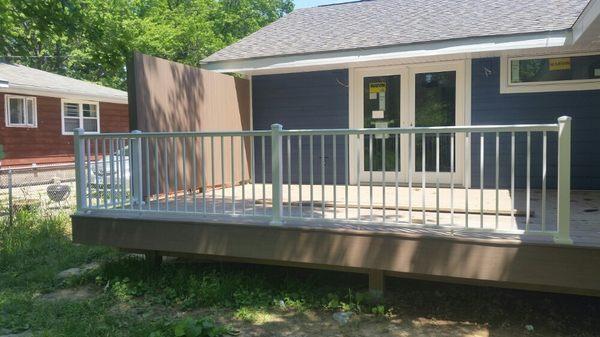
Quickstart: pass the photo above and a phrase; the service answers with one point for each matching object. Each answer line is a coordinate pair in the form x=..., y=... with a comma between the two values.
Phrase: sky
x=314, y=3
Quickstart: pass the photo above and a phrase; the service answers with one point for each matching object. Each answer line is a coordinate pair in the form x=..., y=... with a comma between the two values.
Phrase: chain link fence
x=49, y=188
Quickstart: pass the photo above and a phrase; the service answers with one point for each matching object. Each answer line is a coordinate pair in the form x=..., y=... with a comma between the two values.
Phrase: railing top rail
x=177, y=134
x=435, y=129
x=403, y=130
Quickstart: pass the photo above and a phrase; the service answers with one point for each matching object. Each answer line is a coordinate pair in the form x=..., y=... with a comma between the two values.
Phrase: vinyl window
x=80, y=114
x=20, y=111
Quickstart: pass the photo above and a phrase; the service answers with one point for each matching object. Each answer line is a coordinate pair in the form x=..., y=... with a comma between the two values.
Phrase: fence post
x=10, y=198
x=80, y=184
x=564, y=181
x=136, y=170
x=276, y=173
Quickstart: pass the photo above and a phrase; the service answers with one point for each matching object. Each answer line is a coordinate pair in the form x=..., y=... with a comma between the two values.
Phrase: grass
x=186, y=298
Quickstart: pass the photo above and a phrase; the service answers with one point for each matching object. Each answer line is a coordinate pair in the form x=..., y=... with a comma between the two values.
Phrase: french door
x=406, y=96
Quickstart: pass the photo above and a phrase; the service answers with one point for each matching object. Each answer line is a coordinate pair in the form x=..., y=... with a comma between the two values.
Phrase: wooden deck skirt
x=505, y=261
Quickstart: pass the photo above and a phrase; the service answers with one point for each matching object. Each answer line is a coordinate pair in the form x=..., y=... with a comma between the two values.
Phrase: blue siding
x=491, y=107
x=311, y=100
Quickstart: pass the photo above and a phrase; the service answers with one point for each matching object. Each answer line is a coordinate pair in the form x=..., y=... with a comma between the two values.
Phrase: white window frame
x=81, y=118
x=27, y=124
x=507, y=87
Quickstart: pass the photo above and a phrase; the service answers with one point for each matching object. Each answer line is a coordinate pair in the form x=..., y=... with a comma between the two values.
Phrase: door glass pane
x=381, y=110
x=435, y=105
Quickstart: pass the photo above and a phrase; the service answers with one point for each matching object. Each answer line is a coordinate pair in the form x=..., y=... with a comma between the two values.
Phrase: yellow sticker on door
x=376, y=87
x=561, y=63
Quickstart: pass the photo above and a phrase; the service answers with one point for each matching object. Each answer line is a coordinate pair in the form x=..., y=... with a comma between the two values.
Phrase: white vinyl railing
x=341, y=175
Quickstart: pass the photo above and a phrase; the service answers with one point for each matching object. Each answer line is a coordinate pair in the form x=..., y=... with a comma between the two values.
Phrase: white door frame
x=407, y=113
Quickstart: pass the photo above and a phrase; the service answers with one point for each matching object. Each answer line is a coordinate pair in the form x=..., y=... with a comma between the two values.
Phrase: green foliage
x=190, y=327
x=92, y=39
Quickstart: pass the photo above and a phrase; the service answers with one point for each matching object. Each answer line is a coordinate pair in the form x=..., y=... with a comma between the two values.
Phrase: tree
x=92, y=39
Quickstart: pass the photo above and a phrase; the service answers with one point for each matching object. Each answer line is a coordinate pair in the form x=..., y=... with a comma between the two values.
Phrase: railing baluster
x=157, y=174
x=223, y=174
x=411, y=166
x=371, y=177
x=88, y=146
x=97, y=187
x=512, y=176
x=166, y=162
x=396, y=155
x=232, y=154
x=124, y=173
x=203, y=168
x=359, y=162
x=437, y=179
x=334, y=161
x=383, y=175
x=212, y=174
x=104, y=191
x=112, y=172
x=323, y=176
x=346, y=173
x=264, y=177
x=466, y=176
x=451, y=179
x=300, y=175
x=423, y=174
x=243, y=183
x=194, y=174
x=253, y=173
x=289, y=173
x=544, y=152
x=175, y=174
x=497, y=174
x=481, y=176
x=312, y=203
x=527, y=216
x=147, y=148
x=184, y=172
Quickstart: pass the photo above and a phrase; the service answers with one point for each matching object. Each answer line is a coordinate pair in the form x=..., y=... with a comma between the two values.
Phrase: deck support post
x=136, y=170
x=563, y=207
x=80, y=185
x=153, y=258
x=376, y=283
x=276, y=173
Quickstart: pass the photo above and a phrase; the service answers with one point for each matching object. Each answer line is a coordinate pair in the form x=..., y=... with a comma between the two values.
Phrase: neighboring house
x=452, y=140
x=39, y=110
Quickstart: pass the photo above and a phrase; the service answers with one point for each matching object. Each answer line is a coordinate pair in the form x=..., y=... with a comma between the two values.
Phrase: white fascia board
x=587, y=27
x=349, y=58
x=35, y=91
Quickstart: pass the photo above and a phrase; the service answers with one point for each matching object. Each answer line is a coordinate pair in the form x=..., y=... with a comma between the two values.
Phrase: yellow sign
x=562, y=63
x=376, y=87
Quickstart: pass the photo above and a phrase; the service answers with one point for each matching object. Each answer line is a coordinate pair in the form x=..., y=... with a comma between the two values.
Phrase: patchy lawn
x=115, y=294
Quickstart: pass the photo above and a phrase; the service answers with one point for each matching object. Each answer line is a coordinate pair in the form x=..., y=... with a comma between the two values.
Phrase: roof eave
x=344, y=58
x=37, y=91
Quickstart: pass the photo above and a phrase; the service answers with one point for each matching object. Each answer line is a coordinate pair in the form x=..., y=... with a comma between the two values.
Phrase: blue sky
x=313, y=3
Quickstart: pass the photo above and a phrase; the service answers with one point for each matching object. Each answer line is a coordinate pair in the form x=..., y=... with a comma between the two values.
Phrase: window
x=20, y=111
x=80, y=114
x=551, y=73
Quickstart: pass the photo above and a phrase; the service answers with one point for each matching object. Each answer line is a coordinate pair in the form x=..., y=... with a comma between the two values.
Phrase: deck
x=503, y=257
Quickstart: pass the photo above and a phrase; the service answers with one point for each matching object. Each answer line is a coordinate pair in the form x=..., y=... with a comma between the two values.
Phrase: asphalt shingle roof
x=23, y=77
x=378, y=23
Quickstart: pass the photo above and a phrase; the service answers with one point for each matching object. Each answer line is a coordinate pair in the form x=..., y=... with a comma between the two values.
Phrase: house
x=445, y=140
x=41, y=109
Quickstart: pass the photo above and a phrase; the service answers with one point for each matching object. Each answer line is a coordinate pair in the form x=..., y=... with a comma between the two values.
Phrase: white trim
x=585, y=29
x=462, y=48
x=80, y=117
x=32, y=91
x=27, y=123
x=507, y=87
x=407, y=73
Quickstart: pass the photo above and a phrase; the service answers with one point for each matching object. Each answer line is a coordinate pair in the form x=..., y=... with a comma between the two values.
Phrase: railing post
x=276, y=173
x=564, y=181
x=11, y=207
x=136, y=170
x=80, y=184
